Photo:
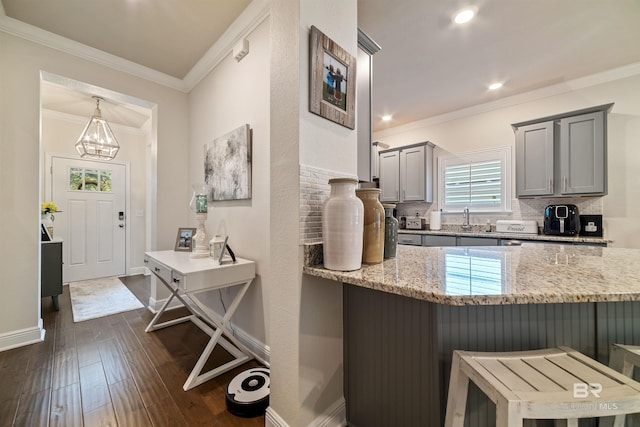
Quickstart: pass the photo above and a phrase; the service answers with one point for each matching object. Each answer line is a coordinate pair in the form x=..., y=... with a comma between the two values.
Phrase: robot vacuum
x=248, y=393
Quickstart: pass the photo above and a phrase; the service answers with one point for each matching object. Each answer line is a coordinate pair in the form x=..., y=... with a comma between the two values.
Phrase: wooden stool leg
x=457, y=398
x=506, y=416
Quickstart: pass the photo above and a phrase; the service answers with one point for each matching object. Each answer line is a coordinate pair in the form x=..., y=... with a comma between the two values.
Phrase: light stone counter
x=527, y=274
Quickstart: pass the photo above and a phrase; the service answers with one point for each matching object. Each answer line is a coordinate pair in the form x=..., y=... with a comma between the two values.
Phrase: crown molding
x=611, y=75
x=253, y=15
x=249, y=19
x=63, y=44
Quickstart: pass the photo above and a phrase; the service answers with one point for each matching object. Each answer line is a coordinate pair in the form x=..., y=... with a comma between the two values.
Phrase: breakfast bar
x=404, y=317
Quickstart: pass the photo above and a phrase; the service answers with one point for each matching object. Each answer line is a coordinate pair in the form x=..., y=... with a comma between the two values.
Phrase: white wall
x=621, y=207
x=233, y=94
x=306, y=313
x=59, y=134
x=20, y=64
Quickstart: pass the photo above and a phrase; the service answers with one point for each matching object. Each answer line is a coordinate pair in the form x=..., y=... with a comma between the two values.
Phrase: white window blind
x=478, y=180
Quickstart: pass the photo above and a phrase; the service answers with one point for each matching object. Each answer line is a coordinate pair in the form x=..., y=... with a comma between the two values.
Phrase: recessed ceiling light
x=386, y=118
x=465, y=15
x=494, y=86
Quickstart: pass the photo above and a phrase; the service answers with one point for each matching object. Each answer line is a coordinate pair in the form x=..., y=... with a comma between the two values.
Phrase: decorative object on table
x=216, y=245
x=373, y=236
x=227, y=165
x=44, y=234
x=97, y=140
x=390, y=231
x=46, y=216
x=332, y=80
x=342, y=226
x=184, y=240
x=198, y=204
x=247, y=394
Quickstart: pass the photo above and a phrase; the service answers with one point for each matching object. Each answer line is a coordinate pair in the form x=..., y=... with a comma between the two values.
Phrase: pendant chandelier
x=97, y=141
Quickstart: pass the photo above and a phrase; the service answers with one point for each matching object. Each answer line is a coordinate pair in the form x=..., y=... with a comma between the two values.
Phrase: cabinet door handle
x=564, y=184
x=397, y=195
x=550, y=185
x=156, y=269
x=175, y=280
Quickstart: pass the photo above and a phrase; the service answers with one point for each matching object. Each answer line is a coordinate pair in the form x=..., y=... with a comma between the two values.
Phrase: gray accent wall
x=398, y=349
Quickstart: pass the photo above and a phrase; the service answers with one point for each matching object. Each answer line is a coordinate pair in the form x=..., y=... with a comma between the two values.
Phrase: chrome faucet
x=465, y=214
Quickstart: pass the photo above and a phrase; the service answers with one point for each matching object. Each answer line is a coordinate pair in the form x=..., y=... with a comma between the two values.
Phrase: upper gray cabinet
x=406, y=173
x=563, y=155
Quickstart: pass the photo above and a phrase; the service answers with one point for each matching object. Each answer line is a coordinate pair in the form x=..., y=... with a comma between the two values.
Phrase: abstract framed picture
x=227, y=165
x=332, y=81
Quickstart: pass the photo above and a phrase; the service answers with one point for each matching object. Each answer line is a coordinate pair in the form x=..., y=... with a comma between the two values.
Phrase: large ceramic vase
x=373, y=237
x=342, y=226
x=390, y=231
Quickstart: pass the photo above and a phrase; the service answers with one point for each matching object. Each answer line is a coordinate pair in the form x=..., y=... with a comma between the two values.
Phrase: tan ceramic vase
x=373, y=237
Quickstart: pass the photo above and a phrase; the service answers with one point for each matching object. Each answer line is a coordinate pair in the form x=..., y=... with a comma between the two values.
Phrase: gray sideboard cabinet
x=406, y=173
x=563, y=155
x=51, y=271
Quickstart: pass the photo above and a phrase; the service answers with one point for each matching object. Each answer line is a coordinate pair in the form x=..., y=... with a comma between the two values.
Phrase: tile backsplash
x=314, y=190
x=521, y=209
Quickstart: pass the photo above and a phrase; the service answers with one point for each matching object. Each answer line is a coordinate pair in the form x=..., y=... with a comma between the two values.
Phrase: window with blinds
x=477, y=180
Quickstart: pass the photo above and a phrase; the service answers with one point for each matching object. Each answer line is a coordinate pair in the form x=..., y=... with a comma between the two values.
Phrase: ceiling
x=427, y=65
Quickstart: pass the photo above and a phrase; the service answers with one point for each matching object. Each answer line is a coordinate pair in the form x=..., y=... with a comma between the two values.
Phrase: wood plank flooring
x=109, y=372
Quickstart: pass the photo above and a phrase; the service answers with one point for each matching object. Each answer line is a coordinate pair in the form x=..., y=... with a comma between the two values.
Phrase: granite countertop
x=527, y=274
x=514, y=236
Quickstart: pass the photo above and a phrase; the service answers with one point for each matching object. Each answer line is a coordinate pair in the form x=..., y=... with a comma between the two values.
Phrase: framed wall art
x=332, y=81
x=227, y=165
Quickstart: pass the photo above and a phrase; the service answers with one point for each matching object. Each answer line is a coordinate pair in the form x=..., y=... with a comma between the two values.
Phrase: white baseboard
x=334, y=416
x=22, y=337
x=134, y=271
x=155, y=305
x=272, y=419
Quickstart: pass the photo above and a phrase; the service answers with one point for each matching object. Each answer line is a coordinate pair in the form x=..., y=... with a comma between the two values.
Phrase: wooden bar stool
x=622, y=358
x=552, y=384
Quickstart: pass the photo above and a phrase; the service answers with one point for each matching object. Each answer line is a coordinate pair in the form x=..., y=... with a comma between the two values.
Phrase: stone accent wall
x=314, y=189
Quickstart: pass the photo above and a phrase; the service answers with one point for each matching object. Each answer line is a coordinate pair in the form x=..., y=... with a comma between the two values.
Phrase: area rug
x=100, y=297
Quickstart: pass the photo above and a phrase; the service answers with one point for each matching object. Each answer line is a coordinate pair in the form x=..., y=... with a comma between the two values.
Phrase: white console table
x=187, y=277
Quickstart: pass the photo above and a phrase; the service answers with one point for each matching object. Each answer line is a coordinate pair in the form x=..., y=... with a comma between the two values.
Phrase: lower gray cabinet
x=430, y=240
x=477, y=241
x=51, y=271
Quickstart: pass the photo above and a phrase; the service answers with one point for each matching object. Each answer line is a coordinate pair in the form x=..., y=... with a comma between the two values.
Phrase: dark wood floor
x=109, y=372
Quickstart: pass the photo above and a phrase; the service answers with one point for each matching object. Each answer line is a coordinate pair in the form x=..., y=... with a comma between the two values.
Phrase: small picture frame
x=44, y=234
x=332, y=84
x=184, y=240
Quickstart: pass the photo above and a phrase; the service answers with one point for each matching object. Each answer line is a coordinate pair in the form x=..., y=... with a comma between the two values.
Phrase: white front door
x=91, y=196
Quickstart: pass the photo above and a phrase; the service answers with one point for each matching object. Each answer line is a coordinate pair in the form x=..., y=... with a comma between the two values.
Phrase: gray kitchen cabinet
x=477, y=241
x=410, y=239
x=435, y=240
x=583, y=154
x=389, y=169
x=51, y=271
x=562, y=155
x=534, y=159
x=406, y=173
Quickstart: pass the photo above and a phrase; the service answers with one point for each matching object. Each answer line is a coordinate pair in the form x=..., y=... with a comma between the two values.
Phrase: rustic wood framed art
x=332, y=86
